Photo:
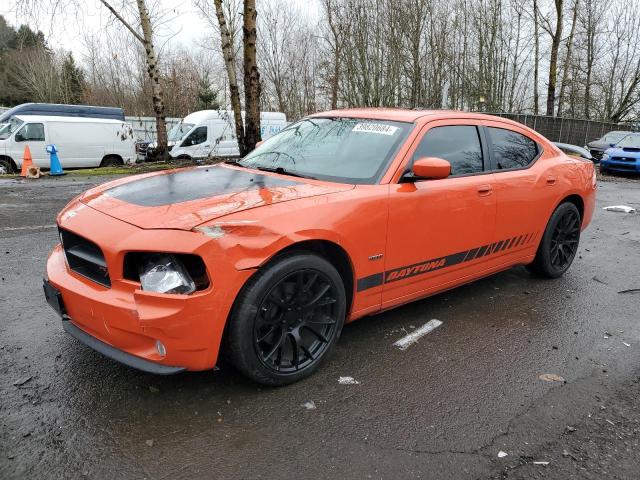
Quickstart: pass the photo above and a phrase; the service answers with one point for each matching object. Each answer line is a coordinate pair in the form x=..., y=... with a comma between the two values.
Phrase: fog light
x=160, y=348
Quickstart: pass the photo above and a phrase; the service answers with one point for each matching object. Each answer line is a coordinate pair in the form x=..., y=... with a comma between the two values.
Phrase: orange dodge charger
x=341, y=215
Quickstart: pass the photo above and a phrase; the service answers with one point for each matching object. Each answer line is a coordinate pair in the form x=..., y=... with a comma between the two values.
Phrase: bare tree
x=146, y=39
x=251, y=78
x=555, y=33
x=228, y=54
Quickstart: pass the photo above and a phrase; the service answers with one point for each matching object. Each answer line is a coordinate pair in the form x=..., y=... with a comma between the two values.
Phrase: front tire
x=6, y=166
x=559, y=243
x=287, y=319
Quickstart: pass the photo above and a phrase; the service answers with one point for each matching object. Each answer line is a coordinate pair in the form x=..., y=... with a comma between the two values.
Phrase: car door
x=33, y=135
x=441, y=229
x=524, y=191
x=196, y=144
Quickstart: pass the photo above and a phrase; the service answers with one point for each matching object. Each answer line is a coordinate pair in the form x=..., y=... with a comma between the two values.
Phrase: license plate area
x=54, y=298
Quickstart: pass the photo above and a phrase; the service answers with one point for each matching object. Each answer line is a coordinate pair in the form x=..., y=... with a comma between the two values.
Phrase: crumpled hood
x=183, y=199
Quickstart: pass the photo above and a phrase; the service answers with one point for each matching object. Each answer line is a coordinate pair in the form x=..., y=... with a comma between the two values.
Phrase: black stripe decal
x=427, y=266
x=371, y=281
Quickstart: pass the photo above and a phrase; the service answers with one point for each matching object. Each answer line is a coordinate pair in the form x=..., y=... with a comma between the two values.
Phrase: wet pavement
x=443, y=408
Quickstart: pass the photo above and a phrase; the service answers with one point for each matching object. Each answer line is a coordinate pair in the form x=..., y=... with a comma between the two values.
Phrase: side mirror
x=19, y=137
x=431, y=167
x=612, y=145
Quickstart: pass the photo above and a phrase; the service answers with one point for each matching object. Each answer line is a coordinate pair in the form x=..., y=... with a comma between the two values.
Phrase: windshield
x=612, y=137
x=6, y=129
x=630, y=141
x=178, y=131
x=345, y=150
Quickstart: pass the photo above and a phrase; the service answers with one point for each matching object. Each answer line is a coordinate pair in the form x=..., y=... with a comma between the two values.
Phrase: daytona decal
x=427, y=266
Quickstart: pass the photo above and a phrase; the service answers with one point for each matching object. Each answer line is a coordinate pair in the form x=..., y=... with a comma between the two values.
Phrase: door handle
x=551, y=180
x=484, y=190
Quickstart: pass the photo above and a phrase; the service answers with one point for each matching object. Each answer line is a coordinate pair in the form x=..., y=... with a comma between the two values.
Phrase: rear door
x=524, y=190
x=440, y=230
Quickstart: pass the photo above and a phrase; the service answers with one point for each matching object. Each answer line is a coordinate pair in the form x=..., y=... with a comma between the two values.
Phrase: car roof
x=54, y=118
x=406, y=115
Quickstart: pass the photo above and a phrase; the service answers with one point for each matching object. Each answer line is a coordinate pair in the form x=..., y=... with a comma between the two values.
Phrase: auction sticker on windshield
x=375, y=128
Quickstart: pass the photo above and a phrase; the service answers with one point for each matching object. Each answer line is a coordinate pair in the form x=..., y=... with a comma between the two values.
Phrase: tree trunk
x=553, y=62
x=154, y=76
x=567, y=58
x=536, y=59
x=230, y=65
x=251, y=78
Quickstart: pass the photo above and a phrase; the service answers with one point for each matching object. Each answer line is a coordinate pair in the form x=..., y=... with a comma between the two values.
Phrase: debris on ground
x=552, y=377
x=620, y=208
x=570, y=429
x=633, y=290
x=309, y=405
x=149, y=443
x=414, y=336
x=541, y=463
x=22, y=381
x=599, y=280
x=502, y=454
x=347, y=381
x=153, y=389
x=626, y=344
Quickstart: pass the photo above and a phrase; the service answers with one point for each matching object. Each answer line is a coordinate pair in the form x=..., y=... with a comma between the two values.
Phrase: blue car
x=624, y=156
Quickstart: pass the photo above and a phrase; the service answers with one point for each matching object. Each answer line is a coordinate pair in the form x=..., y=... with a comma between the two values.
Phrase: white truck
x=81, y=142
x=213, y=133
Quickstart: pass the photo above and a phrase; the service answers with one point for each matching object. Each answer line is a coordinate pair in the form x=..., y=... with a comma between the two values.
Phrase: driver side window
x=198, y=136
x=458, y=144
x=33, y=132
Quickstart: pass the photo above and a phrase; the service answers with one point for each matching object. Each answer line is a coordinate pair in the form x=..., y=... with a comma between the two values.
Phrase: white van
x=81, y=142
x=213, y=133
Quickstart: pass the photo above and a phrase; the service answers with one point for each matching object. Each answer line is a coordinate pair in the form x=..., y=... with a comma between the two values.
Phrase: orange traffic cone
x=27, y=161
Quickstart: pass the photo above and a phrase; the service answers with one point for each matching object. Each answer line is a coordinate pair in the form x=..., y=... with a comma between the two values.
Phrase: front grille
x=623, y=159
x=596, y=154
x=85, y=257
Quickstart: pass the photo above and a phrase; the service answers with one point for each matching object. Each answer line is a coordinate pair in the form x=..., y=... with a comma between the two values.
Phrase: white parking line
x=31, y=227
x=413, y=337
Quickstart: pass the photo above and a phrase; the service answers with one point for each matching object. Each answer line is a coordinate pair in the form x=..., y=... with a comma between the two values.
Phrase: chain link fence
x=565, y=130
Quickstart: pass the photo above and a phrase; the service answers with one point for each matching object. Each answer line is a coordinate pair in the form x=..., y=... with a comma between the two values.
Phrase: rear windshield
x=345, y=150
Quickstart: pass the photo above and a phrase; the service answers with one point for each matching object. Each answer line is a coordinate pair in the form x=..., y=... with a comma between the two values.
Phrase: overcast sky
x=183, y=23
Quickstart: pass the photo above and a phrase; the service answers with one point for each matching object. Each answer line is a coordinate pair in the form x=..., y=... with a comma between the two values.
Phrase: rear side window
x=198, y=136
x=458, y=144
x=512, y=149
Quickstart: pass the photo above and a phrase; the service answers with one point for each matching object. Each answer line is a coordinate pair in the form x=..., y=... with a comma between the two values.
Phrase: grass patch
x=130, y=169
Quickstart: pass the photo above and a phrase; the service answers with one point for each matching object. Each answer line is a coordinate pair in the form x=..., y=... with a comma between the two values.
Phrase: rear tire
x=111, y=161
x=286, y=320
x=6, y=166
x=559, y=243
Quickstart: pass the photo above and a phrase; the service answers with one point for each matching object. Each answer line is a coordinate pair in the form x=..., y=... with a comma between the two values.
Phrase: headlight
x=604, y=157
x=164, y=273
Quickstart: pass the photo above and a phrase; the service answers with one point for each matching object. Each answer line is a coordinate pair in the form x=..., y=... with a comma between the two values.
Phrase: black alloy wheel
x=286, y=319
x=559, y=243
x=564, y=240
x=296, y=320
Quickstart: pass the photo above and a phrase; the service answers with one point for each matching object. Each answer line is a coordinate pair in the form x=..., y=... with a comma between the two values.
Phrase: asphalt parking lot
x=443, y=408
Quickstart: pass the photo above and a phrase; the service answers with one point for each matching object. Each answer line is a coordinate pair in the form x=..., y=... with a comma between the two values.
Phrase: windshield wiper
x=283, y=171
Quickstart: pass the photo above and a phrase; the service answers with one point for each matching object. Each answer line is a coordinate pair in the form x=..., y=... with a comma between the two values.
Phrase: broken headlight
x=165, y=273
